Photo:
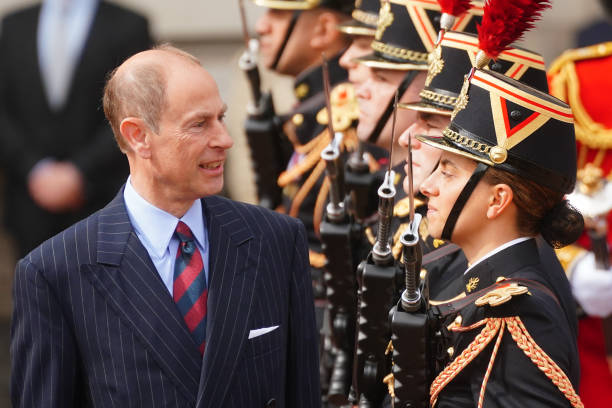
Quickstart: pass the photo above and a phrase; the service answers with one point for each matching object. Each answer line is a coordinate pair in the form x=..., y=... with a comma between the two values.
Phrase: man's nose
x=222, y=139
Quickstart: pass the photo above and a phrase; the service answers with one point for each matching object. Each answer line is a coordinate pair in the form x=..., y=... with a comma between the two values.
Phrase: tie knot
x=183, y=232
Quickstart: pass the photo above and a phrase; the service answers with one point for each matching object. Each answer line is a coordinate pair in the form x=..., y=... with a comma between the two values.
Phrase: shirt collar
x=156, y=226
x=498, y=249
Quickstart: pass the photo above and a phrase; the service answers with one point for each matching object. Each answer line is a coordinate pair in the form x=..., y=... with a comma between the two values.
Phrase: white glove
x=592, y=287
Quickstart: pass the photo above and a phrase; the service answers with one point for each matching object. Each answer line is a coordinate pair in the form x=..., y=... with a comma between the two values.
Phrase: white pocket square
x=258, y=332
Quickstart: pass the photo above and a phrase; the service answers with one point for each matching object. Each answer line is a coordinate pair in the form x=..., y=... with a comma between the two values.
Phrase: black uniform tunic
x=515, y=381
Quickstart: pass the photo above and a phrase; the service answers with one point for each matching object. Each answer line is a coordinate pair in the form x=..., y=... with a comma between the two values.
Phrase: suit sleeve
x=43, y=358
x=302, y=360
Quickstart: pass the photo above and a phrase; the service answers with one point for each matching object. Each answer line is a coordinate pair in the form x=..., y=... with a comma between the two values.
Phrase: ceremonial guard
x=507, y=161
x=581, y=77
x=397, y=66
x=398, y=62
x=450, y=60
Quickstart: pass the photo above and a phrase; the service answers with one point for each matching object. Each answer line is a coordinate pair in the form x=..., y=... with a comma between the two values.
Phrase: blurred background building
x=211, y=31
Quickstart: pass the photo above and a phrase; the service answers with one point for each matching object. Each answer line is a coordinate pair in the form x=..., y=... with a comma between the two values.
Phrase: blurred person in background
x=581, y=77
x=599, y=30
x=57, y=151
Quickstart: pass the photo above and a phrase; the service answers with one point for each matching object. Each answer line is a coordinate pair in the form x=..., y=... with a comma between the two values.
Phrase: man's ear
x=325, y=31
x=500, y=198
x=137, y=136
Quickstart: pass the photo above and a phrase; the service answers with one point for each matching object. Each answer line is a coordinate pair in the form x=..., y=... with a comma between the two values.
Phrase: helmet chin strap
x=384, y=118
x=465, y=194
x=281, y=49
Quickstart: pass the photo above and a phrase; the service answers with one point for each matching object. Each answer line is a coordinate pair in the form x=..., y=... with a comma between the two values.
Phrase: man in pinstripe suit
x=95, y=323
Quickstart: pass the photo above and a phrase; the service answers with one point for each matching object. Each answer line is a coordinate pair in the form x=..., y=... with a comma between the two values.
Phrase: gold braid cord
x=546, y=364
x=524, y=341
x=306, y=187
x=319, y=207
x=483, y=387
x=313, y=156
x=467, y=355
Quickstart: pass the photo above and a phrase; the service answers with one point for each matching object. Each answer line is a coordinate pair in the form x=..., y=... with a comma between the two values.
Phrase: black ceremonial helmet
x=505, y=124
x=364, y=19
x=407, y=32
x=343, y=6
x=455, y=55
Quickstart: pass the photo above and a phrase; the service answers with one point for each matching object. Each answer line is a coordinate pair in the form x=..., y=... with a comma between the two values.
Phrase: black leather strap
x=439, y=253
x=444, y=310
x=384, y=118
x=279, y=53
x=465, y=194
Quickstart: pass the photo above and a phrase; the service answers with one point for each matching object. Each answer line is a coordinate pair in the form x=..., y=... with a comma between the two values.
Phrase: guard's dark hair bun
x=562, y=225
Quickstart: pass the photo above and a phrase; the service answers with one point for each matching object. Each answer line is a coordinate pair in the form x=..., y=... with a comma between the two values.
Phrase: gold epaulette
x=501, y=294
x=344, y=107
x=568, y=255
x=565, y=85
x=495, y=327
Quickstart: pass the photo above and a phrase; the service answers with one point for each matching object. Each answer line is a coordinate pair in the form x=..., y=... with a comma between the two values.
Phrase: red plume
x=505, y=21
x=454, y=7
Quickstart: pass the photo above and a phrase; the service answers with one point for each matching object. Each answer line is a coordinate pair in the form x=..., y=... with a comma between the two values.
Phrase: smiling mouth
x=211, y=165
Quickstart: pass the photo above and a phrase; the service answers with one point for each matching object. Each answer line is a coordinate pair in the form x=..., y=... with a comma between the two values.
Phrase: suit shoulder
x=73, y=246
x=257, y=217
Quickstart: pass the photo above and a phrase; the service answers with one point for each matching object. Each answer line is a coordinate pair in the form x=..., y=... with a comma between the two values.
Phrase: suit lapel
x=126, y=277
x=233, y=266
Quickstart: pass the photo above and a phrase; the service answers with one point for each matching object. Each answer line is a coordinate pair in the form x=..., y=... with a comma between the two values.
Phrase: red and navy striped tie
x=190, y=292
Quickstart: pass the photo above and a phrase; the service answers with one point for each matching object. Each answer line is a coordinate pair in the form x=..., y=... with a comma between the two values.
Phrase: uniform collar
x=504, y=261
x=310, y=82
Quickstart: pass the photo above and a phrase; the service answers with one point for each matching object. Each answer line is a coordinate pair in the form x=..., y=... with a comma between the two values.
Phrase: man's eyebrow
x=205, y=114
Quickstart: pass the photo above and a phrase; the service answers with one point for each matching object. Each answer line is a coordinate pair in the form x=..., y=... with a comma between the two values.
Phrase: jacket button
x=271, y=403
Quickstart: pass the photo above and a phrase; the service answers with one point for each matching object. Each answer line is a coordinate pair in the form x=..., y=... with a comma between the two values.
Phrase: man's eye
x=222, y=117
x=200, y=123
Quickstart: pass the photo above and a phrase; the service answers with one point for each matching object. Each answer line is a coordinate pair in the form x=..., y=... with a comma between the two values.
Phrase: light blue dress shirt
x=155, y=229
x=78, y=18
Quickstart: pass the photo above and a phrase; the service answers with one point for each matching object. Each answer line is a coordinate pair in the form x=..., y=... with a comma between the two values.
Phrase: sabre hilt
x=335, y=173
x=381, y=252
x=412, y=256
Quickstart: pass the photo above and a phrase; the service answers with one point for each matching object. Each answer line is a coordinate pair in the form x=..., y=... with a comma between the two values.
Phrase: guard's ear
x=500, y=198
x=325, y=31
x=136, y=135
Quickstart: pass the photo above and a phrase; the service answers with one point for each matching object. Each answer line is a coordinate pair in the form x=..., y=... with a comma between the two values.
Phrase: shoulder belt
x=439, y=253
x=444, y=310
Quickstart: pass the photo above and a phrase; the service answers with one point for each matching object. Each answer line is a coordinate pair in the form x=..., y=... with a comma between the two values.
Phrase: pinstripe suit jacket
x=94, y=325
